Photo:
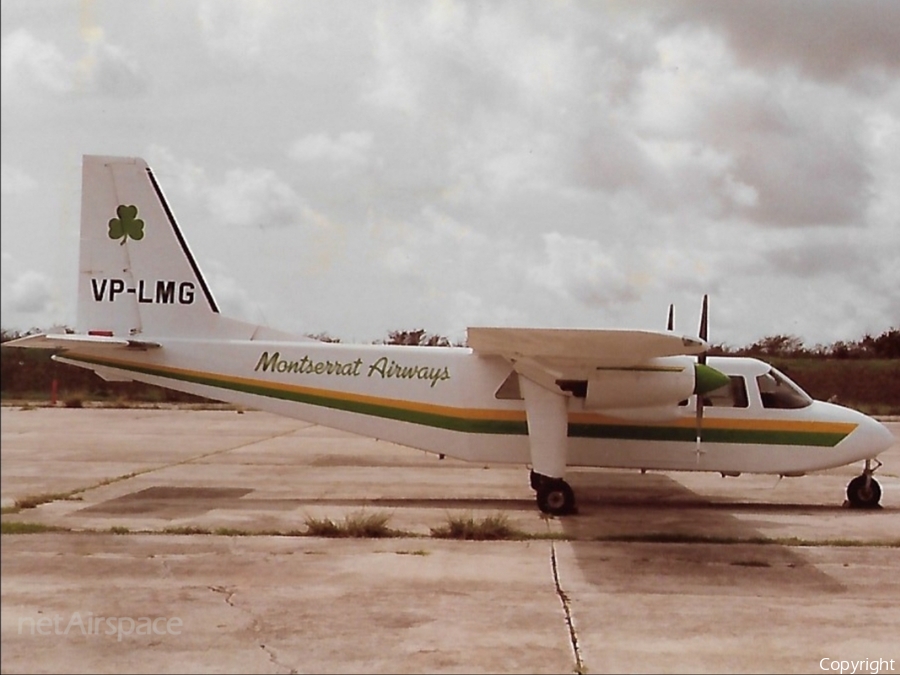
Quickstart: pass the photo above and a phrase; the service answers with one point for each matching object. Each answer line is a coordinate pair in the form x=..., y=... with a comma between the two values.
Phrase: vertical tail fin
x=136, y=273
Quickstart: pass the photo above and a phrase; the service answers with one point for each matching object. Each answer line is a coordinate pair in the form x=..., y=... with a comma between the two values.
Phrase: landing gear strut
x=864, y=492
x=554, y=495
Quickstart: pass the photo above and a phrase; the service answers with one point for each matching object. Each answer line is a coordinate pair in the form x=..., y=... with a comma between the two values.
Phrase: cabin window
x=777, y=391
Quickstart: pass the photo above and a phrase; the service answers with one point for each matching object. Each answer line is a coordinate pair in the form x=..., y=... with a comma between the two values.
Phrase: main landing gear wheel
x=555, y=497
x=864, y=492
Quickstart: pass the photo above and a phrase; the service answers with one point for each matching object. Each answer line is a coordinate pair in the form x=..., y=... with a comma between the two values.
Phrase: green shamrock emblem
x=126, y=225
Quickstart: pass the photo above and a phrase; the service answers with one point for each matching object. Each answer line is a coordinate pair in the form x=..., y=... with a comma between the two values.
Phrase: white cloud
x=109, y=69
x=37, y=66
x=581, y=270
x=432, y=245
x=30, y=293
x=15, y=181
x=349, y=150
x=235, y=28
x=32, y=64
x=258, y=198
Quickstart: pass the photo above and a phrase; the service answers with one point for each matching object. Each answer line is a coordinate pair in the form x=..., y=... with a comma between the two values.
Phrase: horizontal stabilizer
x=69, y=341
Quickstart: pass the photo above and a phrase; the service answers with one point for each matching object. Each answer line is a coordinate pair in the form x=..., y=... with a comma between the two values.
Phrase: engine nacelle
x=661, y=382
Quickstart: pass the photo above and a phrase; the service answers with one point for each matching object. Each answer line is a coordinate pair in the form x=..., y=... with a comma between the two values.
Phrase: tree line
x=824, y=371
x=884, y=346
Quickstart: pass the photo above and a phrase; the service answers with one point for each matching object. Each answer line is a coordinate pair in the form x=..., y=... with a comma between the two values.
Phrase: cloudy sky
x=355, y=168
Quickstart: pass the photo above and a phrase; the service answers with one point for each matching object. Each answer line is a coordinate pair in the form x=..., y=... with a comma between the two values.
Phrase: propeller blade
x=699, y=426
x=670, y=324
x=704, y=325
x=701, y=359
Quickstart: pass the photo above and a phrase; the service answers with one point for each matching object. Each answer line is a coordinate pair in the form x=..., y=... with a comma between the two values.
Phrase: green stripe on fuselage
x=396, y=411
x=635, y=432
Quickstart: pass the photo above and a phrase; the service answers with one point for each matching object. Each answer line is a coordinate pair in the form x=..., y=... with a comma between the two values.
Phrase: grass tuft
x=491, y=527
x=186, y=529
x=356, y=525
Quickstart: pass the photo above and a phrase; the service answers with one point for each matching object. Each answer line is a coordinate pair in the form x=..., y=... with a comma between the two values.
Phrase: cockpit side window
x=777, y=391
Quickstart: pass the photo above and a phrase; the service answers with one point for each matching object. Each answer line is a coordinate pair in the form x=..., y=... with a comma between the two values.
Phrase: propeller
x=701, y=360
x=706, y=378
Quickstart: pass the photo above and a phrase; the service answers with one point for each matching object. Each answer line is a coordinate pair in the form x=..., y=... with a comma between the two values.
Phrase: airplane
x=548, y=399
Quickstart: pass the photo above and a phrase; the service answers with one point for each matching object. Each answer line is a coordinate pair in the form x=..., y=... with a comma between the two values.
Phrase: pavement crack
x=227, y=592
x=564, y=600
x=273, y=658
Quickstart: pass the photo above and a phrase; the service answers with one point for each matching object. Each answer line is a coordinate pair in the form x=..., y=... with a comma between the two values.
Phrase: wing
x=592, y=348
x=619, y=361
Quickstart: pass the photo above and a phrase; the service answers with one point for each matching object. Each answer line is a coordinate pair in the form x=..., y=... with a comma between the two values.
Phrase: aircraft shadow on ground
x=645, y=532
x=631, y=532
x=181, y=502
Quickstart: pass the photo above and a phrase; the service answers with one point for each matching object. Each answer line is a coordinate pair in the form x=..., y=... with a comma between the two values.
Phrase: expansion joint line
x=564, y=599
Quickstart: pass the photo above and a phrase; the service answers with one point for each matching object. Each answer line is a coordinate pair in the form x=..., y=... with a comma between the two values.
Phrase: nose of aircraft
x=882, y=436
x=872, y=437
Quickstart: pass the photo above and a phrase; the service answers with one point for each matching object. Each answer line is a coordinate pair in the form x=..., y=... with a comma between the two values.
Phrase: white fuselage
x=445, y=400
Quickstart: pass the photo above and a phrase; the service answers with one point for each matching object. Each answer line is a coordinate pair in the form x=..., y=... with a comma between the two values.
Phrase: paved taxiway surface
x=734, y=575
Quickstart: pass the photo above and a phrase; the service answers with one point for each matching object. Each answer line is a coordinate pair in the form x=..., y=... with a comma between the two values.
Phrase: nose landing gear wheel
x=864, y=492
x=555, y=497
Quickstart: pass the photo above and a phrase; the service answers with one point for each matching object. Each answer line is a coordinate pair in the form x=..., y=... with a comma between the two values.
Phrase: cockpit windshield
x=777, y=391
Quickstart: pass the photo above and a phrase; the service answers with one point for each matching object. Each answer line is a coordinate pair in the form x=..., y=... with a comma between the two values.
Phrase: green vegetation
x=33, y=501
x=186, y=529
x=869, y=385
x=20, y=527
x=491, y=527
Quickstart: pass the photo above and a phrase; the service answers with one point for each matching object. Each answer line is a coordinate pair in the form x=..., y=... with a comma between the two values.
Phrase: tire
x=863, y=496
x=556, y=498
